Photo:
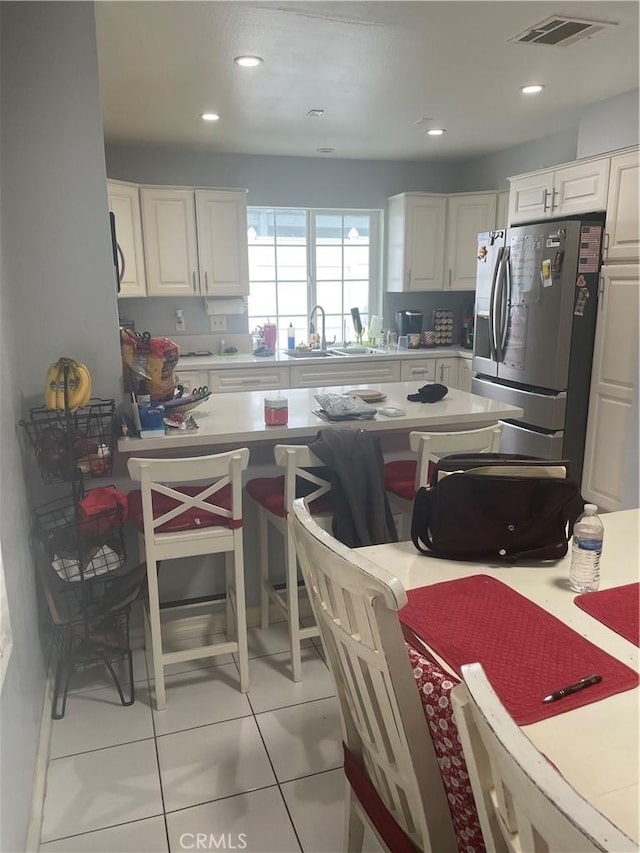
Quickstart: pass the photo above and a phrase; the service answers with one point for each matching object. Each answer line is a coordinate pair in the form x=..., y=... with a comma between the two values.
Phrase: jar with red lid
x=276, y=411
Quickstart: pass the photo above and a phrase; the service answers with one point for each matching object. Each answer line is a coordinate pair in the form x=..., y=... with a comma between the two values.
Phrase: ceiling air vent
x=561, y=31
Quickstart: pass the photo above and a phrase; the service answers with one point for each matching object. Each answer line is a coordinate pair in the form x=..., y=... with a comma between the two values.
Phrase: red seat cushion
x=400, y=477
x=269, y=493
x=434, y=686
x=388, y=827
x=191, y=519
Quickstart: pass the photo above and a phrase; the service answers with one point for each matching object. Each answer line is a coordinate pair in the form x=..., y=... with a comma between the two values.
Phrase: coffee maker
x=409, y=323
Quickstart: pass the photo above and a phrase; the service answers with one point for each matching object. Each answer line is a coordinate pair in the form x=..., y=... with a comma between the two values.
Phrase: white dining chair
x=186, y=521
x=274, y=497
x=403, y=477
x=524, y=804
x=395, y=786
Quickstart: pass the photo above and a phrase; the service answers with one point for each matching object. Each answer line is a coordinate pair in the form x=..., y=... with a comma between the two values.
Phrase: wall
x=57, y=297
x=609, y=124
x=62, y=277
x=490, y=171
x=281, y=181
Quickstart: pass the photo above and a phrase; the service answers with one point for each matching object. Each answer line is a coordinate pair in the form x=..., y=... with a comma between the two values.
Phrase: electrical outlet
x=180, y=324
x=218, y=323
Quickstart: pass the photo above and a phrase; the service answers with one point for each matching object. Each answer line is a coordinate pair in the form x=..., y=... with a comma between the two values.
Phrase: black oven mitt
x=429, y=393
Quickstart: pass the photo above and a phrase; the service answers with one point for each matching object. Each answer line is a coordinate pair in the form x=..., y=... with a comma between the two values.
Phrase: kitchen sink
x=355, y=351
x=310, y=353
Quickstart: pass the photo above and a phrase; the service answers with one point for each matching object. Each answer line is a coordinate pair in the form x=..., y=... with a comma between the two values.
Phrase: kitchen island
x=237, y=418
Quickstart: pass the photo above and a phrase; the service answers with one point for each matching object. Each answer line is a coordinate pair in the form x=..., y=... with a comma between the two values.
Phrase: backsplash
x=460, y=302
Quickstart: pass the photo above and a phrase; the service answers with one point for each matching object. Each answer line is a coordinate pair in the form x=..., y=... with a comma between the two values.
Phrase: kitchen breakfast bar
x=237, y=419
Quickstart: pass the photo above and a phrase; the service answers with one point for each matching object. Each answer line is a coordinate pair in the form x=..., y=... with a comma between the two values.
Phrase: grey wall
x=490, y=172
x=609, y=124
x=273, y=181
x=57, y=298
x=61, y=274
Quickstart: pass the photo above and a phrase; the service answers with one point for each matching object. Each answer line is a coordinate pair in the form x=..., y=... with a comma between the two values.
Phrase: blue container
x=151, y=416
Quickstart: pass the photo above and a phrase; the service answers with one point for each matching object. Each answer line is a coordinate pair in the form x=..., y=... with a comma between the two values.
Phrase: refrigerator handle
x=492, y=312
x=505, y=302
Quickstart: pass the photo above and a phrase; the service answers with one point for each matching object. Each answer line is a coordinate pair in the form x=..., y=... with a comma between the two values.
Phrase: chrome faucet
x=323, y=338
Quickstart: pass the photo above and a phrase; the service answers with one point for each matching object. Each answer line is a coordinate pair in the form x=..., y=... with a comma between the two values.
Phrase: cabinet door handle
x=546, y=196
x=605, y=248
x=553, y=200
x=441, y=372
x=449, y=278
x=408, y=279
x=193, y=278
x=206, y=282
x=600, y=290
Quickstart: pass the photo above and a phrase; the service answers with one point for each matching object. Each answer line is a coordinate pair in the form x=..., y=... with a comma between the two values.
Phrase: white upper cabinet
x=467, y=216
x=623, y=224
x=169, y=224
x=573, y=189
x=195, y=241
x=580, y=188
x=529, y=197
x=415, y=244
x=124, y=203
x=221, y=217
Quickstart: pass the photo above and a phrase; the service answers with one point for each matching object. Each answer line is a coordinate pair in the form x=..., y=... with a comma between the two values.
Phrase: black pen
x=573, y=688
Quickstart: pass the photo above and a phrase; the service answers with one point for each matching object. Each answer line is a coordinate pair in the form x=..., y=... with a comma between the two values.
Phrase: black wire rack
x=82, y=562
x=71, y=445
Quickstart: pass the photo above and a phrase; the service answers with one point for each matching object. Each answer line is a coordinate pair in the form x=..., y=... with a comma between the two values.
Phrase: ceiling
x=376, y=68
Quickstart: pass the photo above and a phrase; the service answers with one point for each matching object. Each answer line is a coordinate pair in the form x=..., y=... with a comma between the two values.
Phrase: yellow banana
x=75, y=392
x=84, y=378
x=51, y=387
x=76, y=377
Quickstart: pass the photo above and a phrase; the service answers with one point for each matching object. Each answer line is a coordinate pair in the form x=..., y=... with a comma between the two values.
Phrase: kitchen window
x=299, y=258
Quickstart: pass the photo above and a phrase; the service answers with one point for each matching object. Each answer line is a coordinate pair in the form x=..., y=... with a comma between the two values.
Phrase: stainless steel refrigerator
x=535, y=317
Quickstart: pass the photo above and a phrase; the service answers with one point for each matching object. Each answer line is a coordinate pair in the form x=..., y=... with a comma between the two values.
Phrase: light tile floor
x=216, y=770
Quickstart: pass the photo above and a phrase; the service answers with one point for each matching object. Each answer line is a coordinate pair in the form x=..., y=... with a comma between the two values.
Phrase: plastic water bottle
x=291, y=337
x=586, y=548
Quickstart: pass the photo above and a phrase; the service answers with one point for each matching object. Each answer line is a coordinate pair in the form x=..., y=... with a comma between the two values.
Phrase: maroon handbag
x=494, y=518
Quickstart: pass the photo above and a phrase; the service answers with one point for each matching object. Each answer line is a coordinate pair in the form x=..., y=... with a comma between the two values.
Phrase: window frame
x=375, y=250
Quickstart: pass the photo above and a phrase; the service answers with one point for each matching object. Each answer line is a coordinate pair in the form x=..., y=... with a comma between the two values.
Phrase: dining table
x=596, y=746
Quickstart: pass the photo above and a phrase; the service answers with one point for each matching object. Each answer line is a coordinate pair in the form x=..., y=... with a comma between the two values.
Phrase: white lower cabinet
x=443, y=370
x=191, y=379
x=420, y=369
x=465, y=374
x=447, y=372
x=614, y=389
x=260, y=379
x=315, y=375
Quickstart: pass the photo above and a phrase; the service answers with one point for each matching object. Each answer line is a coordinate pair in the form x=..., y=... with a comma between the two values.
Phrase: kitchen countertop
x=237, y=418
x=226, y=362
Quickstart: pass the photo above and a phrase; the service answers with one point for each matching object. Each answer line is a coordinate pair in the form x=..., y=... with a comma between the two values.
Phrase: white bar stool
x=274, y=497
x=187, y=521
x=404, y=477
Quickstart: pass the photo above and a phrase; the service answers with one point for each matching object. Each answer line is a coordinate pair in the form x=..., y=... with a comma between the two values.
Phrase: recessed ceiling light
x=248, y=61
x=210, y=116
x=532, y=90
x=435, y=131
x=325, y=150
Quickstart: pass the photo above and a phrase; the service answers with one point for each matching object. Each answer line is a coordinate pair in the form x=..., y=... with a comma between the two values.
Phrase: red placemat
x=526, y=652
x=617, y=608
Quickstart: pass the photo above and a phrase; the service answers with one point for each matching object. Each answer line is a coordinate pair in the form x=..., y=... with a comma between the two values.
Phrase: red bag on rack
x=102, y=510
